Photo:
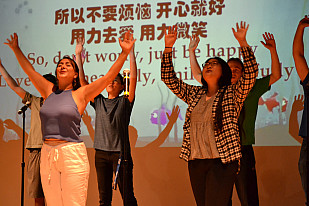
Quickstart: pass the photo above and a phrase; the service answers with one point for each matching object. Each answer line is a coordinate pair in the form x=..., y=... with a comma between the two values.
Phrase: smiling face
x=66, y=72
x=65, y=69
x=236, y=68
x=212, y=70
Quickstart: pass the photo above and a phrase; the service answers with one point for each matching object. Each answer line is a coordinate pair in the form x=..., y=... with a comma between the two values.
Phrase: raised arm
x=247, y=80
x=93, y=89
x=298, y=49
x=168, y=75
x=298, y=105
x=195, y=67
x=170, y=39
x=41, y=84
x=133, y=75
x=240, y=34
x=164, y=134
x=270, y=44
x=79, y=61
x=11, y=82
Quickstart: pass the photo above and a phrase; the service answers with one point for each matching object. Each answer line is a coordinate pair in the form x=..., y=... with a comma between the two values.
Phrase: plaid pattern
x=227, y=140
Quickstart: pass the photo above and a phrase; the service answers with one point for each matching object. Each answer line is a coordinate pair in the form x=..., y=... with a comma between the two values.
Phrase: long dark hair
x=76, y=82
x=224, y=81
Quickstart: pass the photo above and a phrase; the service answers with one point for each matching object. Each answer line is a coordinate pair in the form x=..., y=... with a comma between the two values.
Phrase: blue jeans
x=302, y=166
x=246, y=181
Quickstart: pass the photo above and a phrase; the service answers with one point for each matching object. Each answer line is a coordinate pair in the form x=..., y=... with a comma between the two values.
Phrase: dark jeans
x=106, y=164
x=246, y=181
x=302, y=167
x=212, y=181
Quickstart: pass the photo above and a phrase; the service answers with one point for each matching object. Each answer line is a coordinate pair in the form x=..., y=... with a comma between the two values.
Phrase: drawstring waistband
x=53, y=156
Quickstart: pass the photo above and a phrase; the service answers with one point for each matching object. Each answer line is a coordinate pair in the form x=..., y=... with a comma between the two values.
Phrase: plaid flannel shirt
x=227, y=140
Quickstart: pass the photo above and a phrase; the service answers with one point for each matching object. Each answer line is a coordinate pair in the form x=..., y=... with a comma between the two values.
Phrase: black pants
x=212, y=181
x=246, y=181
x=106, y=164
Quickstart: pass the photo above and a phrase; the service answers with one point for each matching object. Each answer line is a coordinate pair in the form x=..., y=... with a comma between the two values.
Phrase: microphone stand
x=23, y=112
x=23, y=159
x=125, y=146
x=307, y=141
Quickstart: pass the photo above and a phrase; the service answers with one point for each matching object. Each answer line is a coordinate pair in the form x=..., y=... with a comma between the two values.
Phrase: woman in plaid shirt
x=211, y=142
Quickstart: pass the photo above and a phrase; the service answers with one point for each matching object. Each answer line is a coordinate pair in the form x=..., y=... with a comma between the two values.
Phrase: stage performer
x=34, y=141
x=211, y=143
x=64, y=161
x=111, y=133
x=303, y=73
x=246, y=180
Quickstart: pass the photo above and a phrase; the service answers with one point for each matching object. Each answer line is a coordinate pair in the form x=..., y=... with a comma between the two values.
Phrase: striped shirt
x=227, y=140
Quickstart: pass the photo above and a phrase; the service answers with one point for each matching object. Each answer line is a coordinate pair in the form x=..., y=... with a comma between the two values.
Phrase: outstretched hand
x=304, y=22
x=79, y=45
x=194, y=40
x=269, y=43
x=170, y=36
x=241, y=31
x=13, y=42
x=127, y=43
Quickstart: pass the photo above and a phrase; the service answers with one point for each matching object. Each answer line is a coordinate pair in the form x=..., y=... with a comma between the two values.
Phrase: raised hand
x=10, y=124
x=13, y=42
x=1, y=129
x=174, y=115
x=194, y=40
x=86, y=118
x=304, y=22
x=241, y=32
x=298, y=104
x=171, y=36
x=127, y=43
x=79, y=45
x=269, y=43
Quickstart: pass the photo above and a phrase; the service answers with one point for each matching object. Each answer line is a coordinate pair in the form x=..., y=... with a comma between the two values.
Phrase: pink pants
x=65, y=174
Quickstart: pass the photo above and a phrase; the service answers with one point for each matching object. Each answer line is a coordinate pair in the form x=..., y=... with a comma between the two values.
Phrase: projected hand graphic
x=1, y=129
x=298, y=105
x=10, y=124
x=87, y=120
x=174, y=115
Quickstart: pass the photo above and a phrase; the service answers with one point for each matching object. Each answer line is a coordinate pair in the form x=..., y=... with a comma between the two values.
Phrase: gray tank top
x=60, y=117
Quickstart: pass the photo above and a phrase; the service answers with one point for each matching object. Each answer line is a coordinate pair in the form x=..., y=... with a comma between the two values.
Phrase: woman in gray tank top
x=64, y=162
